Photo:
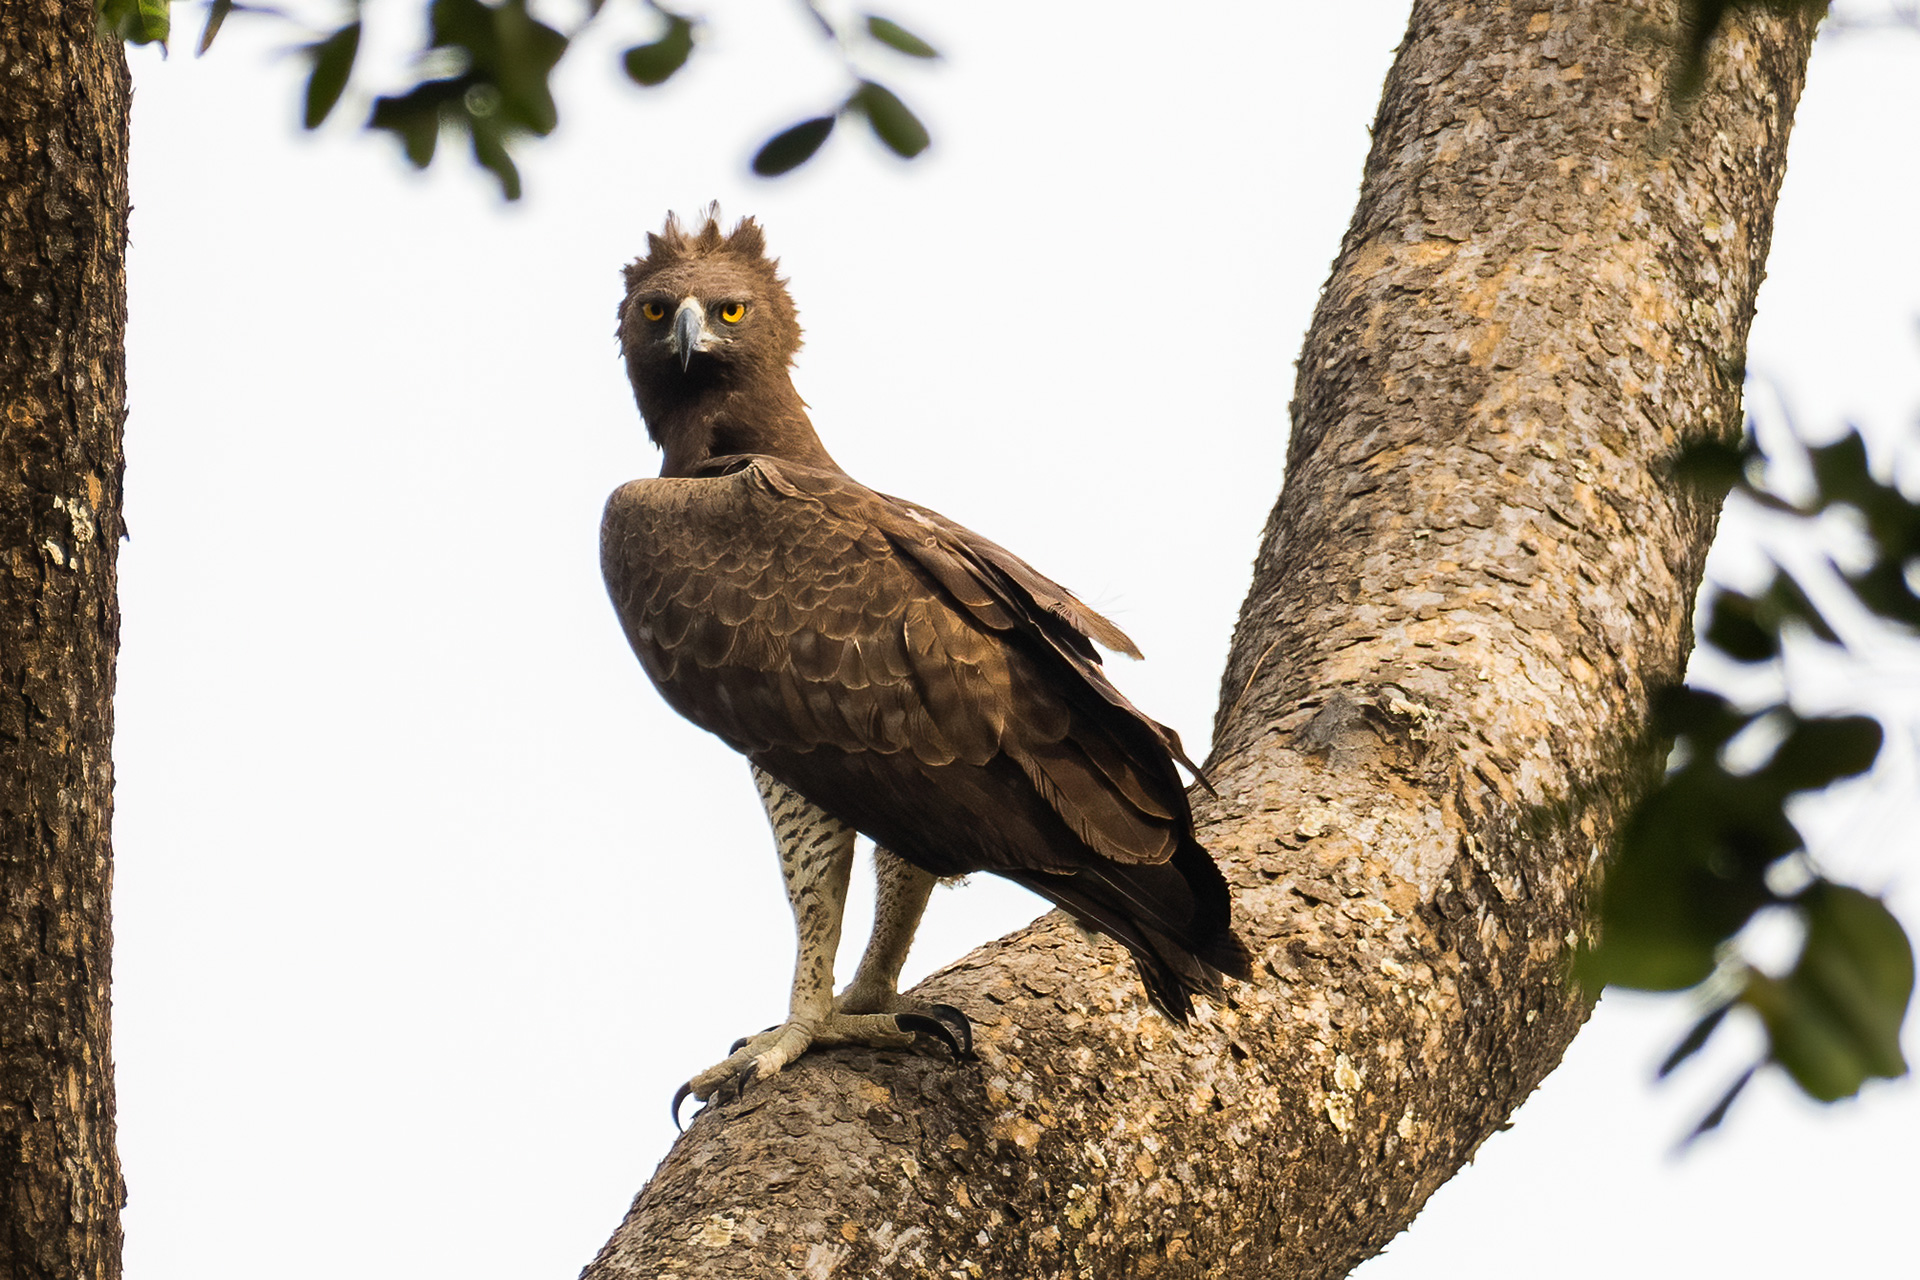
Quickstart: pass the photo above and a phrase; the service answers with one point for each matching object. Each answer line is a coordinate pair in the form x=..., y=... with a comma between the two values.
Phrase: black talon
x=959, y=1022
x=734, y=1086
x=680, y=1096
x=934, y=1027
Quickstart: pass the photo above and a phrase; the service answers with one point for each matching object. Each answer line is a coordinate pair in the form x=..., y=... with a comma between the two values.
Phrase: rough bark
x=63, y=221
x=1431, y=721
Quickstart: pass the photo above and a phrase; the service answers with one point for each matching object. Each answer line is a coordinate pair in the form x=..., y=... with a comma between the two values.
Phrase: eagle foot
x=768, y=1053
x=943, y=1022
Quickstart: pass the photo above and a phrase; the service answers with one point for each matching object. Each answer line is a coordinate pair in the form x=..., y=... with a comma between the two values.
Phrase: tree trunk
x=1432, y=720
x=63, y=224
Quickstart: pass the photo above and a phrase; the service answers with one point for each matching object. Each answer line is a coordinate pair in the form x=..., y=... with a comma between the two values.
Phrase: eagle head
x=705, y=308
x=709, y=334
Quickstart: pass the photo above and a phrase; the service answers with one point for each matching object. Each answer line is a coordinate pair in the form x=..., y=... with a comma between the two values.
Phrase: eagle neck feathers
x=709, y=332
x=768, y=421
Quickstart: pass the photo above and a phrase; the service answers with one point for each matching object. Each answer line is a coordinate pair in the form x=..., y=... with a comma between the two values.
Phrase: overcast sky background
x=425, y=902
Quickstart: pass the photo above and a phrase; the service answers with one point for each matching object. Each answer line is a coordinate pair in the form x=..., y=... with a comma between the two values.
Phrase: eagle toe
x=767, y=1054
x=944, y=1023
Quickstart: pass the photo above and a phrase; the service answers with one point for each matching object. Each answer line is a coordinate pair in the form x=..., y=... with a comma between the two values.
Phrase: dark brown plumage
x=906, y=675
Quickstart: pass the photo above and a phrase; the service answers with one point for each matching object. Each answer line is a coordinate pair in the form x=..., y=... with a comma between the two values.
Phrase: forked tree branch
x=1432, y=719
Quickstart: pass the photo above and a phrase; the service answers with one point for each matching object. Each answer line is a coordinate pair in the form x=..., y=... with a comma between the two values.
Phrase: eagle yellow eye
x=653, y=311
x=732, y=312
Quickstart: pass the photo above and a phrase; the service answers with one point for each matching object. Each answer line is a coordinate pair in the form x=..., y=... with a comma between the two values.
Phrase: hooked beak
x=689, y=332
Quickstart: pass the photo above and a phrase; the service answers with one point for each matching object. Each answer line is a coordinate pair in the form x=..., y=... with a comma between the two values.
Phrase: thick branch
x=63, y=230
x=1430, y=720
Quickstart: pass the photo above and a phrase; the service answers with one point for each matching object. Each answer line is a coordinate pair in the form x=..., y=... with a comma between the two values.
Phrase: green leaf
x=1884, y=589
x=216, y=18
x=1735, y=629
x=332, y=64
x=1787, y=600
x=1841, y=471
x=1819, y=752
x=490, y=153
x=892, y=123
x=1748, y=628
x=1695, y=1039
x=1684, y=711
x=1844, y=476
x=505, y=47
x=1861, y=958
x=1690, y=872
x=1710, y=465
x=1718, y=1112
x=895, y=36
x=521, y=64
x=414, y=116
x=135, y=21
x=652, y=64
x=1834, y=1021
x=791, y=148
x=1692, y=860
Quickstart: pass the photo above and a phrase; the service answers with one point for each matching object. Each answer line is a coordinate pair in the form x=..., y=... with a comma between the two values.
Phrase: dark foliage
x=1714, y=843
x=500, y=92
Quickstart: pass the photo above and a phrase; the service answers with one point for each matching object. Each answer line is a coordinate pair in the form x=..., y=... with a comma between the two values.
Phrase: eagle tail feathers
x=1174, y=917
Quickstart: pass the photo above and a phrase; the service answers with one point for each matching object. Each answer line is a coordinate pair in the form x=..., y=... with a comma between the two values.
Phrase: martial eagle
x=884, y=670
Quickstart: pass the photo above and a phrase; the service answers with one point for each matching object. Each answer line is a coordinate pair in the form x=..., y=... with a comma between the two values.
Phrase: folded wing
x=926, y=686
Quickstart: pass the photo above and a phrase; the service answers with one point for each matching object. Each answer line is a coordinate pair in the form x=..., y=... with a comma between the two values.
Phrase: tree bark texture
x=63, y=225
x=1432, y=720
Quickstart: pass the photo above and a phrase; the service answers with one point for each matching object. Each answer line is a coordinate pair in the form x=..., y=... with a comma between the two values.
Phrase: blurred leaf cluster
x=1714, y=843
x=504, y=58
x=492, y=66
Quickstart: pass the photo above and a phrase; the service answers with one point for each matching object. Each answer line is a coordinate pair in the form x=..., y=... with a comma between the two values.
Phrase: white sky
x=426, y=903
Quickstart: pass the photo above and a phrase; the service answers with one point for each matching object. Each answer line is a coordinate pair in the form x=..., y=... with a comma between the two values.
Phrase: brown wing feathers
x=989, y=580
x=1023, y=579
x=866, y=655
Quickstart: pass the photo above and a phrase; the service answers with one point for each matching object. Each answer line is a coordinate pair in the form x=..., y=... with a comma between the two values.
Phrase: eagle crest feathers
x=679, y=261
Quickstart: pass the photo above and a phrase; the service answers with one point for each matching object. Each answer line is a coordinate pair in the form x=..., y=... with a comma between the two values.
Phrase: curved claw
x=732, y=1088
x=961, y=1023
x=935, y=1027
x=726, y=1091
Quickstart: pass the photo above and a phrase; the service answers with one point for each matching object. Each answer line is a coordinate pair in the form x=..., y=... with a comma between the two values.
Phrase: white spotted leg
x=816, y=858
x=900, y=899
